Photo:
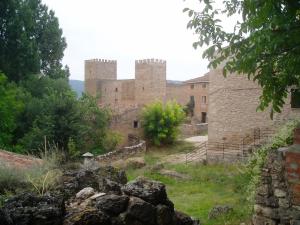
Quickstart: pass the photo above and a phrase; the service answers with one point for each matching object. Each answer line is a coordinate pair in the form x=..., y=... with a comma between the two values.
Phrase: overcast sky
x=129, y=30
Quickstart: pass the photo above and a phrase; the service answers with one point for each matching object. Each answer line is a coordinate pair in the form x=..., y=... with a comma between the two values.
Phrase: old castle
x=127, y=97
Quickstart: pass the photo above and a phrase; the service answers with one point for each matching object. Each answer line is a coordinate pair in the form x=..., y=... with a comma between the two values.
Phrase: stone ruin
x=96, y=197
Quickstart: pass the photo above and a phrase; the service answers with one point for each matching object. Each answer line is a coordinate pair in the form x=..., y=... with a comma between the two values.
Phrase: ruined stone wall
x=277, y=198
x=150, y=81
x=232, y=108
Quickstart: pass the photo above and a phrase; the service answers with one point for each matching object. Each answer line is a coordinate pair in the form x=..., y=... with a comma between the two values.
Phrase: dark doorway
x=203, y=117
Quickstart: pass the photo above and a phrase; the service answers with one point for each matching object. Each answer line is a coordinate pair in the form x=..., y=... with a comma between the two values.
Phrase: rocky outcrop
x=30, y=209
x=141, y=202
x=104, y=199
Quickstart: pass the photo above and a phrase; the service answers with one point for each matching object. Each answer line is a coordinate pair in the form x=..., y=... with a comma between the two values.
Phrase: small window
x=203, y=85
x=116, y=100
x=203, y=99
x=143, y=88
x=192, y=99
x=104, y=89
x=295, y=98
x=192, y=86
x=135, y=124
x=116, y=89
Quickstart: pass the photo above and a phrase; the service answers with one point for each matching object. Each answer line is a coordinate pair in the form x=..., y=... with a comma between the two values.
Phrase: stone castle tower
x=150, y=80
x=97, y=70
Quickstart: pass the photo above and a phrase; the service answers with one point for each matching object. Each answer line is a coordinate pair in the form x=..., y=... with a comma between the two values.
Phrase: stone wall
x=233, y=103
x=150, y=81
x=123, y=153
x=182, y=94
x=96, y=70
x=278, y=195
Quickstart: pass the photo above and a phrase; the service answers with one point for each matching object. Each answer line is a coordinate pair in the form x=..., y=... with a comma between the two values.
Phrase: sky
x=126, y=31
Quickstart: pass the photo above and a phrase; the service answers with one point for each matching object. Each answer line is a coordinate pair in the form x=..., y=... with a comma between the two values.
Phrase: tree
x=30, y=39
x=264, y=44
x=10, y=108
x=161, y=122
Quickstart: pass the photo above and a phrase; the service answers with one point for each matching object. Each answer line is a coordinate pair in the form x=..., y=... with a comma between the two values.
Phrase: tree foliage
x=52, y=111
x=161, y=122
x=30, y=39
x=11, y=107
x=264, y=43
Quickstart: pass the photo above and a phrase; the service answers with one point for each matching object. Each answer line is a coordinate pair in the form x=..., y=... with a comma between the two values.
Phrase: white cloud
x=128, y=30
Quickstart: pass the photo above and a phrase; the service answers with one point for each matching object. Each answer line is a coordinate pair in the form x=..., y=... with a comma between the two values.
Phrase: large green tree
x=264, y=43
x=31, y=41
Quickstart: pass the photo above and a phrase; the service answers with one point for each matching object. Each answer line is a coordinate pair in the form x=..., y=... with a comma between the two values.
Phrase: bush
x=161, y=122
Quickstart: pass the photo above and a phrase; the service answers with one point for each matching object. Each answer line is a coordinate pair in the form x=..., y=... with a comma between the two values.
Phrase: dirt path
x=17, y=160
x=181, y=157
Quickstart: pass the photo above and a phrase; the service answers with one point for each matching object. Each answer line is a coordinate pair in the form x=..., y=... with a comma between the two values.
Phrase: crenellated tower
x=97, y=70
x=150, y=80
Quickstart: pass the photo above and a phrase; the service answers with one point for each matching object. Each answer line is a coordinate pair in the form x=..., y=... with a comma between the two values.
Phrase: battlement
x=101, y=61
x=150, y=61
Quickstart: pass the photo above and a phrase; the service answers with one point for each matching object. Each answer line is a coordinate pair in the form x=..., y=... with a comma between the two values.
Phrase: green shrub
x=284, y=137
x=161, y=122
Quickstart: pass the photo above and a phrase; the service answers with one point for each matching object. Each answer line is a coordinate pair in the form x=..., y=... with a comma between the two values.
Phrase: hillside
x=77, y=86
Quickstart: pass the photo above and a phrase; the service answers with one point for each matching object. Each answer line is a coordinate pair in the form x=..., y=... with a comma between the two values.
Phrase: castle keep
x=127, y=97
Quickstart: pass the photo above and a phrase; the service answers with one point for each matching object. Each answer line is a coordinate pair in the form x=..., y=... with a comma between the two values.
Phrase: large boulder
x=112, y=204
x=141, y=211
x=88, y=216
x=30, y=209
x=153, y=192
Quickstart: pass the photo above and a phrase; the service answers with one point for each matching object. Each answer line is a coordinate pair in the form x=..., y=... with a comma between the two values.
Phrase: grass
x=210, y=185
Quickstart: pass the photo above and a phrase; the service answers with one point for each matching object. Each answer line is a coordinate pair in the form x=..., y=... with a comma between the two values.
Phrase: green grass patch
x=208, y=186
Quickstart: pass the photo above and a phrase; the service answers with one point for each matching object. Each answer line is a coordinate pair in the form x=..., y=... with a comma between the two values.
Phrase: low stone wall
x=278, y=195
x=123, y=153
x=187, y=130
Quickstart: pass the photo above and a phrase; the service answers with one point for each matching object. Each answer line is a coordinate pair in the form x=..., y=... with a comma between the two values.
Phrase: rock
x=150, y=191
x=30, y=209
x=219, y=210
x=112, y=204
x=183, y=219
x=73, y=182
x=141, y=211
x=258, y=220
x=266, y=211
x=174, y=174
x=110, y=187
x=165, y=215
x=88, y=216
x=135, y=163
x=97, y=195
x=156, y=167
x=279, y=193
x=4, y=218
x=85, y=193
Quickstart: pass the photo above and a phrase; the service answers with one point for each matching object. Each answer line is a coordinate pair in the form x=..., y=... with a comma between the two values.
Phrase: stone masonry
x=233, y=114
x=127, y=97
x=278, y=194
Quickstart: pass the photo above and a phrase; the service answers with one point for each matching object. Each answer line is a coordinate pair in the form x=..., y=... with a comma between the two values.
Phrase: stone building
x=127, y=97
x=233, y=115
